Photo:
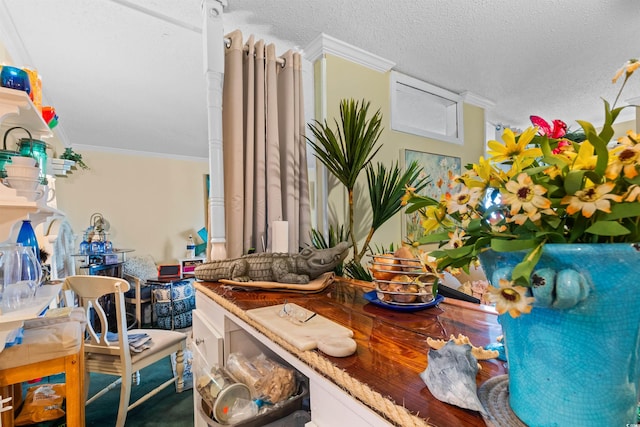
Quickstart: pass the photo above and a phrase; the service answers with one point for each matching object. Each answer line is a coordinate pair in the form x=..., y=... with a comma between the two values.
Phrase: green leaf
x=573, y=181
x=522, y=272
x=420, y=202
x=434, y=238
x=386, y=188
x=512, y=245
x=599, y=144
x=623, y=210
x=460, y=252
x=350, y=148
x=607, y=228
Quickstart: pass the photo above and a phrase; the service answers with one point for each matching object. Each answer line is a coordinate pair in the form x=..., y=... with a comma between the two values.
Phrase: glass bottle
x=27, y=237
x=191, y=247
x=38, y=150
x=84, y=247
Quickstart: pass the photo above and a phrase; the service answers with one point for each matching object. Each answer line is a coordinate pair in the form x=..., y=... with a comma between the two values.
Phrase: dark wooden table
x=392, y=346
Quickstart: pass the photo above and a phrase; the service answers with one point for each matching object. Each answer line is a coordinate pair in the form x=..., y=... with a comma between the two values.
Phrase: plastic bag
x=242, y=409
x=267, y=379
x=42, y=403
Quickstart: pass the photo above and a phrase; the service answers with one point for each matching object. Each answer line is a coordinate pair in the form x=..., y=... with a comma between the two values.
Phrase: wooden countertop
x=392, y=348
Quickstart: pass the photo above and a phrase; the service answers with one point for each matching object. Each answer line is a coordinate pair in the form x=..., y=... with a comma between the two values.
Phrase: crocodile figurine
x=275, y=267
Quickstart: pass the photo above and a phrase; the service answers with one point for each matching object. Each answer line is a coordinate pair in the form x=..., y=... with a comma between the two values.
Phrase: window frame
x=398, y=79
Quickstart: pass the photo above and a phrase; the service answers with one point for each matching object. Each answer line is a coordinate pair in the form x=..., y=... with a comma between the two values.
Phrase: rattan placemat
x=494, y=395
x=316, y=285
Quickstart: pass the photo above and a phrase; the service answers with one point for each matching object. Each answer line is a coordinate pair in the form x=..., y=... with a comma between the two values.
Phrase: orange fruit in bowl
x=384, y=266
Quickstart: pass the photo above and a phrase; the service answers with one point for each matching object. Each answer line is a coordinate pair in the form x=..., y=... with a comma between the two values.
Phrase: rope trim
x=384, y=407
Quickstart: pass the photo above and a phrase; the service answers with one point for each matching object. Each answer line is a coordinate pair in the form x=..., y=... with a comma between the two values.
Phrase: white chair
x=115, y=357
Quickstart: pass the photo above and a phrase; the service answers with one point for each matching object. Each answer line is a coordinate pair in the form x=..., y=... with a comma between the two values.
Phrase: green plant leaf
x=521, y=273
x=623, y=210
x=348, y=150
x=386, y=188
x=512, y=245
x=356, y=271
x=607, y=228
x=417, y=203
x=433, y=238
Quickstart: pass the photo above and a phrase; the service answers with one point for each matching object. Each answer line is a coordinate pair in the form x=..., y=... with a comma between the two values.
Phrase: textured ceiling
x=128, y=74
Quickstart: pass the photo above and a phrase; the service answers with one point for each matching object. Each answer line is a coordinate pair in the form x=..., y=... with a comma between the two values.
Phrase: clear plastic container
x=221, y=394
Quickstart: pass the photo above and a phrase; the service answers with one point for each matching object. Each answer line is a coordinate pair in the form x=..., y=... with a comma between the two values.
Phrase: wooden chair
x=114, y=357
x=137, y=270
x=47, y=349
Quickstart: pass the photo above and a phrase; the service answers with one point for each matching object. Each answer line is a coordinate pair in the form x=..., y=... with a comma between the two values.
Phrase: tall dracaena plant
x=348, y=151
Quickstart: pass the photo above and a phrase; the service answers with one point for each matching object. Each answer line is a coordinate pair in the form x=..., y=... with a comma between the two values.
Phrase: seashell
x=451, y=376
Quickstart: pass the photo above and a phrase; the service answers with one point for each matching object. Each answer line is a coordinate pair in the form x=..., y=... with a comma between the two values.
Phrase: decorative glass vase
x=575, y=359
x=27, y=237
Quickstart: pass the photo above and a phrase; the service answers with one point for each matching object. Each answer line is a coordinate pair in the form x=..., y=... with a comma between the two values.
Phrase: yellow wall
x=345, y=79
x=151, y=203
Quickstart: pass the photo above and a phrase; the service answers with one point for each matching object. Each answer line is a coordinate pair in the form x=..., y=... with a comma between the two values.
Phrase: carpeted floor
x=167, y=408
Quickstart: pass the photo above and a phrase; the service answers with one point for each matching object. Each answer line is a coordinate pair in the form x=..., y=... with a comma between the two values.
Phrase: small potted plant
x=69, y=154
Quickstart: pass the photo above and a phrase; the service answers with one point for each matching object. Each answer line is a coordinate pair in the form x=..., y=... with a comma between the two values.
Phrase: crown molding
x=324, y=44
x=477, y=100
x=633, y=101
x=127, y=152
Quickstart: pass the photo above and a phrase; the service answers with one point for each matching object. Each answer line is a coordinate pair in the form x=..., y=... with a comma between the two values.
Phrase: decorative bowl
x=22, y=184
x=15, y=78
x=20, y=171
x=401, y=281
x=23, y=161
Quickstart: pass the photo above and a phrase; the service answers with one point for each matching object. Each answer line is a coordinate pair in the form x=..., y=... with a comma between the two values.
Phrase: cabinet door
x=207, y=339
x=208, y=351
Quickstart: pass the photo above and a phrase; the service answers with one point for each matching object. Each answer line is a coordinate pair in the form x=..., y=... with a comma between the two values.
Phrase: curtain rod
x=227, y=44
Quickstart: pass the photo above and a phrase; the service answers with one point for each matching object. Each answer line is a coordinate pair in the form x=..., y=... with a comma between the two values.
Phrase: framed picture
x=436, y=167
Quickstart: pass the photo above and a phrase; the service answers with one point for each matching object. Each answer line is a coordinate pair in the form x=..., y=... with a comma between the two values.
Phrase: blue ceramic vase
x=575, y=359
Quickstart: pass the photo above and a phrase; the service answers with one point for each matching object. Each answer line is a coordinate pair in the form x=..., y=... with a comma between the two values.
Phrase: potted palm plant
x=347, y=151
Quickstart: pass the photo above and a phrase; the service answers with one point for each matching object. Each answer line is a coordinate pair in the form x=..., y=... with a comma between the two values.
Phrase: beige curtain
x=265, y=162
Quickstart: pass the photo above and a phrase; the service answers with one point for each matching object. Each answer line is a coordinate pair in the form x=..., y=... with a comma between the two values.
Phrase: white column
x=213, y=43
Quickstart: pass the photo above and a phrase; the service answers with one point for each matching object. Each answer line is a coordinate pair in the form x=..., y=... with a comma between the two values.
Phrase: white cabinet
x=330, y=405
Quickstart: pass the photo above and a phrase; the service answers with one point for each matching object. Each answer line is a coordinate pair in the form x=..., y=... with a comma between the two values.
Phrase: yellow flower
x=624, y=158
x=524, y=194
x=586, y=159
x=429, y=263
x=628, y=68
x=435, y=217
x=553, y=171
x=462, y=201
x=521, y=218
x=408, y=193
x=591, y=199
x=510, y=298
x=455, y=239
x=510, y=149
x=518, y=165
x=633, y=194
x=631, y=138
x=484, y=169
